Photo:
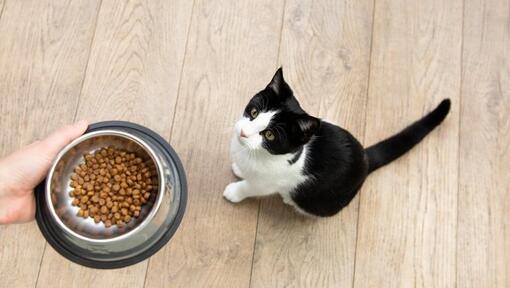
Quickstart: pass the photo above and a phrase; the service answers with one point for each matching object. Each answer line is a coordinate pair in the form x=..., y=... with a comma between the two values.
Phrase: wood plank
x=43, y=54
x=2, y=3
x=136, y=62
x=232, y=52
x=325, y=53
x=133, y=74
x=407, y=217
x=483, y=244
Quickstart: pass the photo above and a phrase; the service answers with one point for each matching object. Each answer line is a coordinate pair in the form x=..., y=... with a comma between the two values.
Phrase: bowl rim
x=89, y=135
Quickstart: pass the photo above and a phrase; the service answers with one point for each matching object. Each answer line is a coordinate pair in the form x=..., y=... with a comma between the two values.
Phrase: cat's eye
x=254, y=113
x=269, y=135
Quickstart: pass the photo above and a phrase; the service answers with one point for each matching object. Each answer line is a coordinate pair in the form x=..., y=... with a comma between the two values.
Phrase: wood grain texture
x=42, y=66
x=136, y=62
x=325, y=54
x=2, y=3
x=483, y=246
x=408, y=209
x=438, y=217
x=232, y=52
x=132, y=74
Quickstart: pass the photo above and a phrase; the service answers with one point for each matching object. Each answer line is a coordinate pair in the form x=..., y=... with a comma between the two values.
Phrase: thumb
x=27, y=167
x=42, y=153
x=52, y=144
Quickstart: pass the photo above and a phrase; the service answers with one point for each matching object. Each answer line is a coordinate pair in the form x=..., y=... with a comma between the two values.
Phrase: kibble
x=111, y=186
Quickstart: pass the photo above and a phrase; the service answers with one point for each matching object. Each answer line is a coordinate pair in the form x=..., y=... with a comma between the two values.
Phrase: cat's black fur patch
x=336, y=162
x=292, y=126
x=337, y=165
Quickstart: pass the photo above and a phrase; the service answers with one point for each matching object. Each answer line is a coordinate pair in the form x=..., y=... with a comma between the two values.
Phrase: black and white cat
x=315, y=166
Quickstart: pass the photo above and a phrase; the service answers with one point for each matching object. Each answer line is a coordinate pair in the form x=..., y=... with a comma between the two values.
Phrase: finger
x=45, y=151
x=26, y=167
x=61, y=137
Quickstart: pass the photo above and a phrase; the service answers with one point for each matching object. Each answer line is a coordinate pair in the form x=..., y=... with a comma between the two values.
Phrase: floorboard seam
x=182, y=70
x=364, y=137
x=74, y=116
x=88, y=60
x=259, y=201
x=459, y=139
x=175, y=107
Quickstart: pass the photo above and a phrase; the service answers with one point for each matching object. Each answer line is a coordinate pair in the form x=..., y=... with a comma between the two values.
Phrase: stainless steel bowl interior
x=57, y=188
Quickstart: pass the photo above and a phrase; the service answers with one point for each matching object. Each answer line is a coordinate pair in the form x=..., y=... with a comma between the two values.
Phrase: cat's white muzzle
x=251, y=129
x=251, y=137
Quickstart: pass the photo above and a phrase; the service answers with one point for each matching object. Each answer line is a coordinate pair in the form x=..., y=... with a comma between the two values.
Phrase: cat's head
x=273, y=120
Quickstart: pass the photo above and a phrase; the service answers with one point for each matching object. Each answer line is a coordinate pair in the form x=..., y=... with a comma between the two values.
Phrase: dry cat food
x=111, y=186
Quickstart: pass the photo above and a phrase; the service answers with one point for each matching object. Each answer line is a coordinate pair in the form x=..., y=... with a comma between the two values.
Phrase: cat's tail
x=390, y=149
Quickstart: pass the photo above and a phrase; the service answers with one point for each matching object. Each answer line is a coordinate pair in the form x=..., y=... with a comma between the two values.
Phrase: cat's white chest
x=267, y=171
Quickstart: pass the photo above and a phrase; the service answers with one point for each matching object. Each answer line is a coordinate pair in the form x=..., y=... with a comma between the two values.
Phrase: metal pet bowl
x=92, y=244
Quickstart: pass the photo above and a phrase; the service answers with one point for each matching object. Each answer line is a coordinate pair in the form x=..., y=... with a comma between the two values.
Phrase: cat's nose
x=243, y=134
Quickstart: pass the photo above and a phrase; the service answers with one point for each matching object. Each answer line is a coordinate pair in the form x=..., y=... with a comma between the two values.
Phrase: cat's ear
x=308, y=126
x=278, y=84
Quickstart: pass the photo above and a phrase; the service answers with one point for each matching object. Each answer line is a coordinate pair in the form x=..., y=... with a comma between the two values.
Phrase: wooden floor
x=438, y=217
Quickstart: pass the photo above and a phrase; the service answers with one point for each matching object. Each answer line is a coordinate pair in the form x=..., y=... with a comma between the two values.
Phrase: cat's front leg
x=237, y=171
x=238, y=191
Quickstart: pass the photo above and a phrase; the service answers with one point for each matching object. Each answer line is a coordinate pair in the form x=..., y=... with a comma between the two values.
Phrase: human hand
x=24, y=169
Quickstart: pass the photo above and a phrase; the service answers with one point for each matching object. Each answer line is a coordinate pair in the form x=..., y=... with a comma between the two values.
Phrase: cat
x=316, y=166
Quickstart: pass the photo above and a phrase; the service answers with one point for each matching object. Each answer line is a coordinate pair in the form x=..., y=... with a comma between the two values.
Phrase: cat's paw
x=232, y=193
x=237, y=171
